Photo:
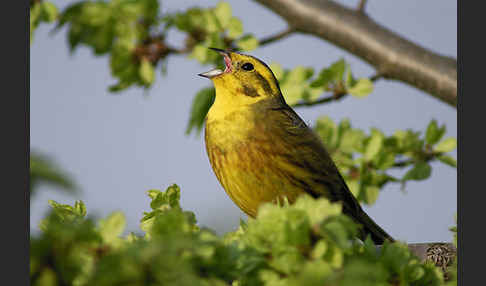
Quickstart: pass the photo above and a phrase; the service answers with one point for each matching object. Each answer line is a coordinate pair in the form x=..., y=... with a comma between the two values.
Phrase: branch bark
x=393, y=57
x=441, y=254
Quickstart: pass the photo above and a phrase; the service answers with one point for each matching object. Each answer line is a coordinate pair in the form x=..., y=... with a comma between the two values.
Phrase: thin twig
x=427, y=157
x=276, y=37
x=327, y=99
x=404, y=163
x=335, y=97
x=361, y=6
x=268, y=40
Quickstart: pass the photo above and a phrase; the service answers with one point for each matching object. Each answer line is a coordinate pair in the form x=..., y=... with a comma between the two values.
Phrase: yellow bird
x=262, y=151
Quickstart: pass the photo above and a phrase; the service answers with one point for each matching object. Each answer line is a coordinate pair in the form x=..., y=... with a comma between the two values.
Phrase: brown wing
x=302, y=148
x=306, y=151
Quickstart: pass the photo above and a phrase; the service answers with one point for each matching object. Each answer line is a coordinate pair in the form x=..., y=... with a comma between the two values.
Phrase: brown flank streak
x=302, y=184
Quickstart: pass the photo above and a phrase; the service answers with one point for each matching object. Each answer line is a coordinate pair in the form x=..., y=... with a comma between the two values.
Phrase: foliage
x=133, y=33
x=299, y=85
x=119, y=28
x=41, y=11
x=44, y=171
x=200, y=107
x=366, y=160
x=451, y=273
x=307, y=243
x=211, y=27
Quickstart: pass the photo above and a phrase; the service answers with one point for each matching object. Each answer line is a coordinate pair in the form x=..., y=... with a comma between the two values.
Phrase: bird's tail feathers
x=369, y=227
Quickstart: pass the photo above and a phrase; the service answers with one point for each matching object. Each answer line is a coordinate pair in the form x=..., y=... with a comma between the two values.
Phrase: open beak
x=216, y=72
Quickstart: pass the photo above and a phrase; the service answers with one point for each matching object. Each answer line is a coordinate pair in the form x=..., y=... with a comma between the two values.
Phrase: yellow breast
x=247, y=167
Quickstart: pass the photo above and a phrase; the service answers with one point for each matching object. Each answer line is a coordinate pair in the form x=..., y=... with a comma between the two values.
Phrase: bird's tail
x=369, y=227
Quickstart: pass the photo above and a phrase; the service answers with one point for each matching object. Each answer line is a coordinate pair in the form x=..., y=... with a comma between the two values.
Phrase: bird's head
x=245, y=79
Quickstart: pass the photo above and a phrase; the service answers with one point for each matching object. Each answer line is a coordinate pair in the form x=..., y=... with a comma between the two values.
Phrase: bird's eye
x=247, y=66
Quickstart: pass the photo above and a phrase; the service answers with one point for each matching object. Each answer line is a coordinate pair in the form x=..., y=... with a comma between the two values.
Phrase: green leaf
x=420, y=171
x=415, y=272
x=326, y=129
x=337, y=69
x=295, y=87
x=363, y=273
x=223, y=13
x=350, y=81
x=374, y=146
x=41, y=12
x=211, y=22
x=118, y=87
x=247, y=43
x=68, y=213
x=299, y=75
x=317, y=210
x=44, y=171
x=361, y=88
x=434, y=133
x=153, y=193
x=35, y=12
x=111, y=227
x=146, y=72
x=235, y=28
x=351, y=140
x=80, y=208
x=200, y=53
x=371, y=194
x=323, y=79
x=446, y=145
x=168, y=199
x=150, y=10
x=47, y=277
x=385, y=160
x=448, y=160
x=201, y=104
x=49, y=11
x=354, y=187
x=277, y=70
x=94, y=14
x=407, y=140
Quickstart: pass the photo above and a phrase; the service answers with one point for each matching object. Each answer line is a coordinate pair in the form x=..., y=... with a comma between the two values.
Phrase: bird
x=261, y=150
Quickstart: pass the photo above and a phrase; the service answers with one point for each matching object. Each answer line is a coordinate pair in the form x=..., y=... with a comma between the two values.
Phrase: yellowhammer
x=260, y=149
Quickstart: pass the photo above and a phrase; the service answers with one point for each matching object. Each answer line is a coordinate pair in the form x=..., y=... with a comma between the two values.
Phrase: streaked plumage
x=260, y=149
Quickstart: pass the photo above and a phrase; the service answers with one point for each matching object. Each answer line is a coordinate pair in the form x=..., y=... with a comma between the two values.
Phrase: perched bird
x=262, y=151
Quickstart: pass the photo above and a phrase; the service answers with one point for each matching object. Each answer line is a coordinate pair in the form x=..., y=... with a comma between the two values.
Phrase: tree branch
x=276, y=37
x=426, y=156
x=338, y=95
x=393, y=57
x=440, y=253
x=327, y=99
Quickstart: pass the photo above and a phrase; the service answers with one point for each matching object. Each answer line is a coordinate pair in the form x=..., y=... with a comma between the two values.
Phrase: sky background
x=117, y=147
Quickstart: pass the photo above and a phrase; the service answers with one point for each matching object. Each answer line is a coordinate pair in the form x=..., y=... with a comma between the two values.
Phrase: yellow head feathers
x=244, y=81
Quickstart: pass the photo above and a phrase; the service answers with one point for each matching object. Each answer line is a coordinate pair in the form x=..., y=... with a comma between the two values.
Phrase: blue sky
x=119, y=146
